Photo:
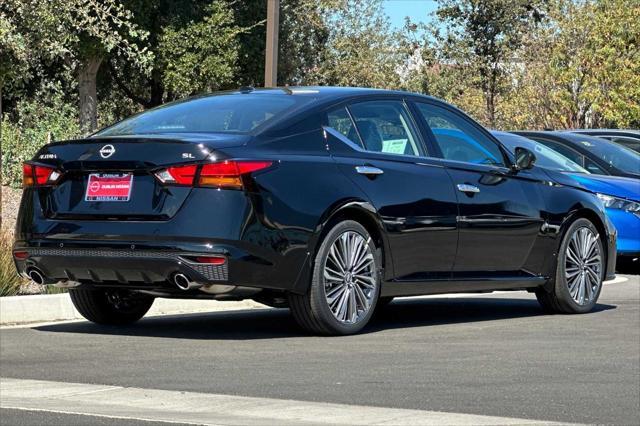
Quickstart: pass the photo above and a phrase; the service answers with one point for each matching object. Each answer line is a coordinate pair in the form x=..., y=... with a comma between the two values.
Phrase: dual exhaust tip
x=180, y=280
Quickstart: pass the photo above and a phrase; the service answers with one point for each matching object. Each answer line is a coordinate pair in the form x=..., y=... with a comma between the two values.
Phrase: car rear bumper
x=148, y=254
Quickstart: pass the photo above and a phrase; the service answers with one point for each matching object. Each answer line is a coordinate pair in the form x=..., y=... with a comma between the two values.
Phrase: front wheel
x=111, y=306
x=579, y=272
x=345, y=284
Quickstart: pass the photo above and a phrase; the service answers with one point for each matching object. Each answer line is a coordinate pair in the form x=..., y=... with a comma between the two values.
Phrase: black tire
x=311, y=310
x=556, y=298
x=111, y=307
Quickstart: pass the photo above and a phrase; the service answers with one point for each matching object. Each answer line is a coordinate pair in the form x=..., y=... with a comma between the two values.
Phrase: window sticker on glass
x=394, y=146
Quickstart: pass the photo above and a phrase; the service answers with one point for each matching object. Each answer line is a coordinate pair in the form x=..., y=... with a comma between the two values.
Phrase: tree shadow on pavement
x=278, y=323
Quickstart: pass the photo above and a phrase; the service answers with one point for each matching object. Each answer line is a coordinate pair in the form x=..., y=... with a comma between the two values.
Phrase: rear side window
x=385, y=126
x=458, y=139
x=227, y=113
x=340, y=120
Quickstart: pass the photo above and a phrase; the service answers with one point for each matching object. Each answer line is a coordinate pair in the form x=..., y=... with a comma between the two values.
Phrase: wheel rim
x=350, y=278
x=583, y=266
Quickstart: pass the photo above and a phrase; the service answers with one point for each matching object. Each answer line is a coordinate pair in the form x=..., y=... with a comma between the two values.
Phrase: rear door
x=376, y=144
x=500, y=212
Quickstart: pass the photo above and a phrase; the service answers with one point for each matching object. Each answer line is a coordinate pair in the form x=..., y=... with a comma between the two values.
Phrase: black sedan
x=626, y=137
x=330, y=201
x=597, y=155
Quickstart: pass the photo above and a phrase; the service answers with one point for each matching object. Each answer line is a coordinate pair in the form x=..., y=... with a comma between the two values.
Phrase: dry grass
x=10, y=281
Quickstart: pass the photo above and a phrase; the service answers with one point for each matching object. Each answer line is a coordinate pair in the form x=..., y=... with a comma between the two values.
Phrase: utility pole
x=271, y=54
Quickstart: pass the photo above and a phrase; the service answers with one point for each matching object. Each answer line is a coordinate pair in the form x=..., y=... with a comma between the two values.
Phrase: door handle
x=467, y=188
x=369, y=170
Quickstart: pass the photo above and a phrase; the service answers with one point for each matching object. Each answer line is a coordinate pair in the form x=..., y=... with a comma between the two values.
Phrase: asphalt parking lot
x=490, y=355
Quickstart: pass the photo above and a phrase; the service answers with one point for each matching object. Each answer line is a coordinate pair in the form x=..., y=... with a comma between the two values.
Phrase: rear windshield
x=227, y=113
x=618, y=156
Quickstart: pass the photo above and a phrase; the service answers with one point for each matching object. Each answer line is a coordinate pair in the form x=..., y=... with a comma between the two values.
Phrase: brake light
x=178, y=175
x=228, y=174
x=39, y=175
x=225, y=174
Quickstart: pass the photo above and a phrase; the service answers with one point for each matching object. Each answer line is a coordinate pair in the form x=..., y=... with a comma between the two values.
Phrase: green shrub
x=10, y=281
x=25, y=131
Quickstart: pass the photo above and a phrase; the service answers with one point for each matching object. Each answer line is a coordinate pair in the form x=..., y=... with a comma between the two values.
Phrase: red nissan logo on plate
x=95, y=186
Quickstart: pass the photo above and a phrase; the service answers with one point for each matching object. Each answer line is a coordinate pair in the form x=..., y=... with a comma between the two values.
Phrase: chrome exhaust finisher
x=184, y=283
x=36, y=276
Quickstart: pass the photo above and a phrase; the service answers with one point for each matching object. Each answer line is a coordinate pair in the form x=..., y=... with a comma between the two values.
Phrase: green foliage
x=200, y=57
x=583, y=70
x=361, y=50
x=482, y=38
x=26, y=130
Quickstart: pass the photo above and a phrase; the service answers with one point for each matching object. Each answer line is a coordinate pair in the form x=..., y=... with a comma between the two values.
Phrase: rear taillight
x=33, y=175
x=228, y=174
x=178, y=175
x=225, y=174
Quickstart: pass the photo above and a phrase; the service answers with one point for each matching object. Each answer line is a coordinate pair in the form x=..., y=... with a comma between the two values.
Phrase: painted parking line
x=215, y=409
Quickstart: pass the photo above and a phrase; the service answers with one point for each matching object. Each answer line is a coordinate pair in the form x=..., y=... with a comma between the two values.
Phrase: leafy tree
x=201, y=56
x=480, y=40
x=361, y=49
x=79, y=33
x=583, y=70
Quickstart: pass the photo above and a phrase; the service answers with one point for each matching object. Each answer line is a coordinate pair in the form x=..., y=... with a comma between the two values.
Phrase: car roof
x=605, y=131
x=572, y=138
x=325, y=92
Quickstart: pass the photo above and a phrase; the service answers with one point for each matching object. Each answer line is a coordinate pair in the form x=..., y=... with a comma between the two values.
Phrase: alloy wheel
x=583, y=266
x=350, y=277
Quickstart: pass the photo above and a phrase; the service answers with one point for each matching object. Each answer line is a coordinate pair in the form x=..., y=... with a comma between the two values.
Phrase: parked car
x=620, y=195
x=626, y=137
x=597, y=155
x=328, y=200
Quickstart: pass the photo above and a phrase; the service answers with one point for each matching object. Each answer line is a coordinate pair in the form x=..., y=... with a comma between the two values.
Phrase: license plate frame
x=109, y=187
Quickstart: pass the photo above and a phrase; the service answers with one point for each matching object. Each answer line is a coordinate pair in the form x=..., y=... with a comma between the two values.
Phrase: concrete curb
x=16, y=310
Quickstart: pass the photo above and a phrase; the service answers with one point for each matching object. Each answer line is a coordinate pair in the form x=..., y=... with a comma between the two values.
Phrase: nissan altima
x=329, y=201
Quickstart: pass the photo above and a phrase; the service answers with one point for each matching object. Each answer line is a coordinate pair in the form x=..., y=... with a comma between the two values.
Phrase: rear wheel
x=579, y=272
x=345, y=284
x=114, y=307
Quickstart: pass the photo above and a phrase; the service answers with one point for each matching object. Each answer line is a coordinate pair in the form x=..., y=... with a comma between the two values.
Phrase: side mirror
x=525, y=159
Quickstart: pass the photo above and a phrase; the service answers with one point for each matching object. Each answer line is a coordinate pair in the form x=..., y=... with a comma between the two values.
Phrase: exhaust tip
x=182, y=282
x=36, y=276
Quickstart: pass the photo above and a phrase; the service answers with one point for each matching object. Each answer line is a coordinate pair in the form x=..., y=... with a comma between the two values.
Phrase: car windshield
x=545, y=157
x=227, y=113
x=616, y=155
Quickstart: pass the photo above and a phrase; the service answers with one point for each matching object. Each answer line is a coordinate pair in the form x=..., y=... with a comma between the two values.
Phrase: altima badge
x=107, y=151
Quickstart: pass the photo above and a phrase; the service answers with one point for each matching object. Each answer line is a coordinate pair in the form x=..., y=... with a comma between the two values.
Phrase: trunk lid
x=80, y=161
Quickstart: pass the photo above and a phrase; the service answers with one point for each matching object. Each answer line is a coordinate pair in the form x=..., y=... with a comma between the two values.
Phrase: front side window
x=458, y=139
x=385, y=127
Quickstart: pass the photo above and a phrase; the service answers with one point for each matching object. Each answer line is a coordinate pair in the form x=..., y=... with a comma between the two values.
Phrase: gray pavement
x=493, y=355
x=12, y=417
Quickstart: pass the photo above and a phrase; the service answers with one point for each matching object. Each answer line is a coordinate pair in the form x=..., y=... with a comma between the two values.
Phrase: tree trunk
x=491, y=109
x=87, y=91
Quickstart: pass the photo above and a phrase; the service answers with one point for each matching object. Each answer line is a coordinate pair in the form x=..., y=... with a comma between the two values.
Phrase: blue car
x=620, y=195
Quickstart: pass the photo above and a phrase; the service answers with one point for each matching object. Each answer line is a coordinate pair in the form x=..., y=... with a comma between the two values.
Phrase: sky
x=417, y=10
